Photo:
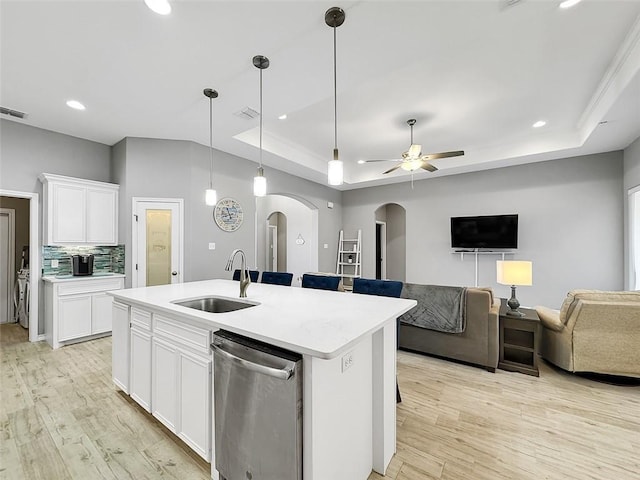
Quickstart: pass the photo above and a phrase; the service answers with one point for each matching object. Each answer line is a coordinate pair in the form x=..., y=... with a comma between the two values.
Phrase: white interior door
x=158, y=242
x=272, y=248
x=7, y=277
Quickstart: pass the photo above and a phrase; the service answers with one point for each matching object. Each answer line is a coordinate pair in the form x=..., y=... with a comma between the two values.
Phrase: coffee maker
x=82, y=264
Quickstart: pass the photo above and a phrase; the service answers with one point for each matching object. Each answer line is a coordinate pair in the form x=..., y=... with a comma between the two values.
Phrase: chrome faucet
x=245, y=280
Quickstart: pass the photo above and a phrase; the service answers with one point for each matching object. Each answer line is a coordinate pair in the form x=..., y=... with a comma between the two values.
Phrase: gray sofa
x=478, y=344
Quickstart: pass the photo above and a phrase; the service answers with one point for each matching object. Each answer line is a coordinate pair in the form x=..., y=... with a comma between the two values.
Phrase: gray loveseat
x=478, y=344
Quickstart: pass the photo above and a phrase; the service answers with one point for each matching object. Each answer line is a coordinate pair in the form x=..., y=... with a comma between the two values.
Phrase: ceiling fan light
x=260, y=184
x=411, y=165
x=335, y=172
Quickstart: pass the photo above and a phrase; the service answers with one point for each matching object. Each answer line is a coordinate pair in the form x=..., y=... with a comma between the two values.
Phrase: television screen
x=489, y=231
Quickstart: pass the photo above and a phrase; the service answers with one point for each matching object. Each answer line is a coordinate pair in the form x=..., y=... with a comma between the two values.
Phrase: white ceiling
x=476, y=75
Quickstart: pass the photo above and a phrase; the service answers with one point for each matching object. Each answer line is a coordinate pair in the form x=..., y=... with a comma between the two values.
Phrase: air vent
x=12, y=113
x=247, y=113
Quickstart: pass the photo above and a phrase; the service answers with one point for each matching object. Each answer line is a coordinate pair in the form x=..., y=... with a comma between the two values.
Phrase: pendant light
x=260, y=181
x=210, y=196
x=334, y=17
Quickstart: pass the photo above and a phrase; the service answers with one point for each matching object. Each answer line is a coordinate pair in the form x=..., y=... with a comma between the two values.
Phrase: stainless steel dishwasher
x=258, y=409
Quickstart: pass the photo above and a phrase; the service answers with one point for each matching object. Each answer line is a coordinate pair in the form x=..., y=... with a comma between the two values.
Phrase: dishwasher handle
x=284, y=374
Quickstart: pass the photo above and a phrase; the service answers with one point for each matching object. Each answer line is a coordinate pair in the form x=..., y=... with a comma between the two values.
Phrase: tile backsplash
x=106, y=259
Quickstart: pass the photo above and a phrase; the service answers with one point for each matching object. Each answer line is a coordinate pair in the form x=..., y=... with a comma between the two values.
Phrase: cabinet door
x=102, y=207
x=120, y=346
x=67, y=214
x=140, y=373
x=101, y=315
x=165, y=382
x=74, y=317
x=195, y=403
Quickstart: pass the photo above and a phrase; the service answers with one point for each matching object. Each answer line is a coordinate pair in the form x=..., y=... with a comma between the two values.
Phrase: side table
x=519, y=341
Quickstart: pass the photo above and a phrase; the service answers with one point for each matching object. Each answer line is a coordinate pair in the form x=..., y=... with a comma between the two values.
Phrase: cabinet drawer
x=89, y=286
x=141, y=318
x=196, y=338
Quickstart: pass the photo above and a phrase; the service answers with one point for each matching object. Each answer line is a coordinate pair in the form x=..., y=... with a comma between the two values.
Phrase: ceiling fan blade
x=428, y=167
x=414, y=150
x=386, y=160
x=435, y=156
x=392, y=169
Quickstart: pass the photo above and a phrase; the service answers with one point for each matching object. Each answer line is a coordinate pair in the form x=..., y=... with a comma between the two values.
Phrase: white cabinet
x=78, y=309
x=120, y=346
x=182, y=381
x=165, y=382
x=194, y=372
x=140, y=367
x=74, y=312
x=78, y=211
x=169, y=368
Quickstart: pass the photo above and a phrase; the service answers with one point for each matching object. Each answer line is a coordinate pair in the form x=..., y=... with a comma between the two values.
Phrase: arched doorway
x=391, y=242
x=276, y=246
x=300, y=238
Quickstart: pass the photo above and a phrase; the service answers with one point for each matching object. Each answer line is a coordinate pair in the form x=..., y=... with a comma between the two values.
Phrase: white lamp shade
x=259, y=186
x=514, y=272
x=335, y=172
x=210, y=197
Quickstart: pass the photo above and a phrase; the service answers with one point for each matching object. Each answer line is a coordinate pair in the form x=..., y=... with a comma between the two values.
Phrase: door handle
x=283, y=374
x=174, y=273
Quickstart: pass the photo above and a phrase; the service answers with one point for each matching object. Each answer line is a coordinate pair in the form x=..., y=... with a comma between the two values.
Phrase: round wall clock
x=228, y=214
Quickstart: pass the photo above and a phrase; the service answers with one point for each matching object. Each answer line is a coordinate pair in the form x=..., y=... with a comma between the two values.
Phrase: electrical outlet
x=54, y=263
x=347, y=361
x=326, y=245
x=212, y=246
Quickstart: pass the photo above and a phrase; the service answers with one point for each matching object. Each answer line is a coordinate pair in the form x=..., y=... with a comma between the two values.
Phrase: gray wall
x=631, y=179
x=26, y=152
x=571, y=224
x=180, y=169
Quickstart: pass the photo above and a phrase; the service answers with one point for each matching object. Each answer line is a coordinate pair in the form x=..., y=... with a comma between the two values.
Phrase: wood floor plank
x=456, y=422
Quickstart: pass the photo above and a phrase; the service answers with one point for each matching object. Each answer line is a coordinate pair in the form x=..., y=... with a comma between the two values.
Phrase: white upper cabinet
x=78, y=211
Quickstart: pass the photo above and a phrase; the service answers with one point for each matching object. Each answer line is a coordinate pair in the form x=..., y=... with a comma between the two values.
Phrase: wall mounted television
x=488, y=231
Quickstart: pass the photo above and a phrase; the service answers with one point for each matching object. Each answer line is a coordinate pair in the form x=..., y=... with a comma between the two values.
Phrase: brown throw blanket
x=439, y=307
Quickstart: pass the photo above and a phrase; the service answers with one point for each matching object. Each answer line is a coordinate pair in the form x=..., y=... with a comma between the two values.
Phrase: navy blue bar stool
x=320, y=282
x=277, y=278
x=253, y=275
x=383, y=288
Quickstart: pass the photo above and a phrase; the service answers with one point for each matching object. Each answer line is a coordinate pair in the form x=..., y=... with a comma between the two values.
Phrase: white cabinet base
x=77, y=310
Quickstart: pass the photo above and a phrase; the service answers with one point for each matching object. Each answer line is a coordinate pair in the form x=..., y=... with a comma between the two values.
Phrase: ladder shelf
x=348, y=262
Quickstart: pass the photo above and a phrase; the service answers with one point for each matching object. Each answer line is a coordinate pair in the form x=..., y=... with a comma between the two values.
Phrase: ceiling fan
x=413, y=159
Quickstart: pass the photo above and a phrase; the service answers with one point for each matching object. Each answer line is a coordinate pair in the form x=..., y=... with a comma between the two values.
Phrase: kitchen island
x=161, y=358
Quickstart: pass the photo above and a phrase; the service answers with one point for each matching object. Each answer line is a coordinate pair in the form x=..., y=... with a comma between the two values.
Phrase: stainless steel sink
x=214, y=304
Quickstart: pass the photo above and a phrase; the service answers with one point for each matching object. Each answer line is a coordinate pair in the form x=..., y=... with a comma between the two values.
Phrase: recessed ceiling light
x=569, y=3
x=282, y=117
x=539, y=123
x=76, y=105
x=361, y=162
x=161, y=7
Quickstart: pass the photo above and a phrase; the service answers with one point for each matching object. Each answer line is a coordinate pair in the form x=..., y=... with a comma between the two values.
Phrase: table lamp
x=514, y=272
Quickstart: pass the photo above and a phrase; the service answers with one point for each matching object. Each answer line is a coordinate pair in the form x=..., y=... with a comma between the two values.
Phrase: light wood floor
x=61, y=418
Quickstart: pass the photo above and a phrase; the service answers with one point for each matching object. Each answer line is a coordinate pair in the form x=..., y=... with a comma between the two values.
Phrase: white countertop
x=314, y=322
x=71, y=278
